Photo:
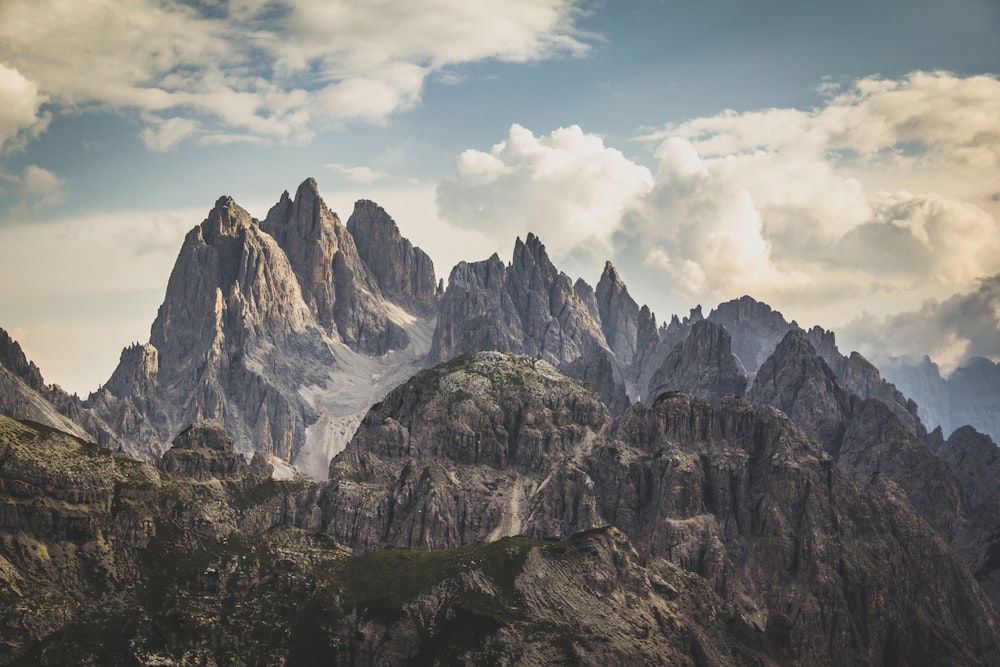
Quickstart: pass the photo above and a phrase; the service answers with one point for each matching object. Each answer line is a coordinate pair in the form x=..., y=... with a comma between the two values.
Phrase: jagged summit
x=619, y=314
x=404, y=273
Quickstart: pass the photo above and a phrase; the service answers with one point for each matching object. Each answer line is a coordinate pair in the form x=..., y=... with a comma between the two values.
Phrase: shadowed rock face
x=702, y=365
x=737, y=495
x=204, y=452
x=755, y=328
x=798, y=382
x=619, y=315
x=527, y=307
x=751, y=545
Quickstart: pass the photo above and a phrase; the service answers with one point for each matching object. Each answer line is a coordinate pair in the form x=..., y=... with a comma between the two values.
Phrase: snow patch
x=352, y=386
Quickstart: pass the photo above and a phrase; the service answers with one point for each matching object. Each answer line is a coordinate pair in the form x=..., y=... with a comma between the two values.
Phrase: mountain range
x=511, y=467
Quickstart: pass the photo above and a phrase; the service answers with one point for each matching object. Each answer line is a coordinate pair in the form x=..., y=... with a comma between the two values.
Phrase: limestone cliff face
x=734, y=538
x=272, y=328
x=527, y=307
x=233, y=340
x=619, y=315
x=462, y=453
x=862, y=378
x=404, y=273
x=798, y=382
x=739, y=496
x=339, y=290
x=205, y=452
x=703, y=365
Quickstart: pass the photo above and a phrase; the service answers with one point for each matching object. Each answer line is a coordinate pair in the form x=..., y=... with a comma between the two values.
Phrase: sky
x=839, y=161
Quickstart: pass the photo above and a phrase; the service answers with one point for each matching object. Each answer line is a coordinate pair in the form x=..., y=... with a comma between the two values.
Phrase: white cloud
x=567, y=185
x=163, y=135
x=361, y=174
x=36, y=188
x=20, y=109
x=257, y=69
x=879, y=199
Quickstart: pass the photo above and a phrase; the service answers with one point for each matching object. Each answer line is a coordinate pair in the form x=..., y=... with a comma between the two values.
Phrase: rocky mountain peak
x=797, y=381
x=755, y=328
x=619, y=314
x=527, y=307
x=404, y=273
x=702, y=365
x=336, y=285
x=225, y=218
x=204, y=451
x=12, y=358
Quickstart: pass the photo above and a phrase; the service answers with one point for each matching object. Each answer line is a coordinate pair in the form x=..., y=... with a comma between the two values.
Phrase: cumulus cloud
x=567, y=185
x=878, y=199
x=21, y=117
x=256, y=69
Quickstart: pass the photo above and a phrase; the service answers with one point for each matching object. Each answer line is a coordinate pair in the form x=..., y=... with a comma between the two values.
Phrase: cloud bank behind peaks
x=257, y=70
x=880, y=198
x=567, y=186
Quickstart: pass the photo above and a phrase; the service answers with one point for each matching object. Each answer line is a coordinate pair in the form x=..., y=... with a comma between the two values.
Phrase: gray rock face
x=24, y=395
x=619, y=315
x=970, y=395
x=703, y=365
x=798, y=382
x=404, y=274
x=460, y=452
x=204, y=452
x=755, y=328
x=600, y=372
x=344, y=297
x=655, y=348
x=742, y=498
x=736, y=495
x=233, y=340
x=527, y=307
x=862, y=378
x=750, y=545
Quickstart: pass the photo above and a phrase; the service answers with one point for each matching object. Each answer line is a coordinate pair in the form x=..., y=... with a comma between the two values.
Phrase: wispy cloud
x=361, y=174
x=255, y=68
x=33, y=190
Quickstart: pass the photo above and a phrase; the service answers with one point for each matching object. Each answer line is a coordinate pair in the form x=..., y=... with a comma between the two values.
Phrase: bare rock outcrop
x=233, y=340
x=478, y=448
x=527, y=307
x=343, y=296
x=703, y=365
x=405, y=274
x=756, y=329
x=204, y=451
x=619, y=315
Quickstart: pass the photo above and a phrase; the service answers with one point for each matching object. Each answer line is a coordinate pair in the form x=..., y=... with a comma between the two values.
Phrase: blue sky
x=840, y=161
